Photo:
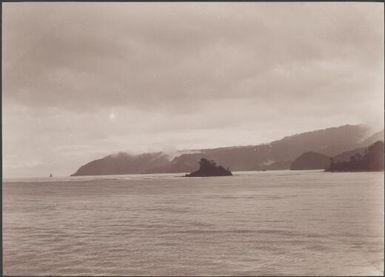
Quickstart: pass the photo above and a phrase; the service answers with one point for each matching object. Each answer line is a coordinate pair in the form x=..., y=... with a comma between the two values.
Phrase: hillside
x=310, y=160
x=123, y=163
x=275, y=155
x=371, y=160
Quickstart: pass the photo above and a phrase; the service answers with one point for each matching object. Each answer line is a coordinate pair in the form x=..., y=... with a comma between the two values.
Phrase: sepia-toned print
x=193, y=139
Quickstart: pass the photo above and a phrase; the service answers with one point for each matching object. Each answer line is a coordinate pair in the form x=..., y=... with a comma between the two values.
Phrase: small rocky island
x=209, y=168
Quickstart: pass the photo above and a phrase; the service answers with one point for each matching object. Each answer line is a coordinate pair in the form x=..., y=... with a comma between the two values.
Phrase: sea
x=253, y=223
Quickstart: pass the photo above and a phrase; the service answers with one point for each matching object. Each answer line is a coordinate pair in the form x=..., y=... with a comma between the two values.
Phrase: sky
x=84, y=80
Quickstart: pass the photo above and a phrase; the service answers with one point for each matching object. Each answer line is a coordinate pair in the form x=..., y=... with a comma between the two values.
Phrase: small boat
x=50, y=175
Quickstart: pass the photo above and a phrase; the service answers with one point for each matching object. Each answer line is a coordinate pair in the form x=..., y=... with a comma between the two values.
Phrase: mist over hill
x=274, y=155
x=378, y=136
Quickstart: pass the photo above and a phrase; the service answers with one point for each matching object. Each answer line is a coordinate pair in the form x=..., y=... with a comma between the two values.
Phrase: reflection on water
x=254, y=223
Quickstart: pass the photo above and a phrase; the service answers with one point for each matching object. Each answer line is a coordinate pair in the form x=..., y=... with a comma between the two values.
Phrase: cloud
x=144, y=55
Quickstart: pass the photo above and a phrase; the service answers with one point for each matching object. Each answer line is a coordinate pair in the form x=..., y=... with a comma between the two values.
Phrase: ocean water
x=254, y=223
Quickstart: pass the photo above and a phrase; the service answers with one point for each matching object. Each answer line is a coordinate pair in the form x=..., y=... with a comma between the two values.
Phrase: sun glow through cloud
x=112, y=116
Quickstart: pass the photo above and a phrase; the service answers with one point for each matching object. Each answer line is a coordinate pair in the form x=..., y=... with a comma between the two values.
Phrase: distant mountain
x=123, y=163
x=311, y=160
x=328, y=141
x=371, y=160
x=275, y=155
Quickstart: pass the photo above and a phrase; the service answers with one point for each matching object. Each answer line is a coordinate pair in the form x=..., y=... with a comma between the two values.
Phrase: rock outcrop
x=209, y=168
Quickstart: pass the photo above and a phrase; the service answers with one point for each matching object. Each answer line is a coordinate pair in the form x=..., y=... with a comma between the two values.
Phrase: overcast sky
x=84, y=80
